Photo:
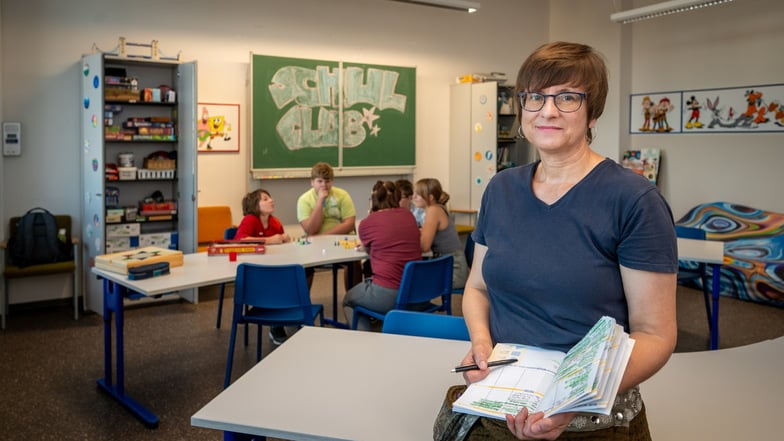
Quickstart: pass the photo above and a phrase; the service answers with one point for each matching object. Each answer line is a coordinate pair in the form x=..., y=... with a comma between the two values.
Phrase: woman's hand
x=478, y=355
x=529, y=426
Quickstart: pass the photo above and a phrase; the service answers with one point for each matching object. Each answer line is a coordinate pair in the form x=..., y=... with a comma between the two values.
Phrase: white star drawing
x=369, y=115
x=374, y=130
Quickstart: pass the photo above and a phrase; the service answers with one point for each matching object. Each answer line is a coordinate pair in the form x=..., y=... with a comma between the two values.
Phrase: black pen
x=473, y=367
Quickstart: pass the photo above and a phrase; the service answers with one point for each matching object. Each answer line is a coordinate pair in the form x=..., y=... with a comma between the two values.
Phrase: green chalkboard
x=360, y=118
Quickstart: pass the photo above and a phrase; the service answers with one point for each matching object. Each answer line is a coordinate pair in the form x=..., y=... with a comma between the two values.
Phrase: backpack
x=36, y=241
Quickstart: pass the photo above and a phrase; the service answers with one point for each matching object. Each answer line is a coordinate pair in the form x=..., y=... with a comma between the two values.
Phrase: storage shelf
x=137, y=221
x=109, y=181
x=141, y=103
x=140, y=141
x=106, y=138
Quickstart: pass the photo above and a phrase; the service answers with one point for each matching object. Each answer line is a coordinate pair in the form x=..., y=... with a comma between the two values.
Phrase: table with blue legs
x=199, y=270
x=712, y=254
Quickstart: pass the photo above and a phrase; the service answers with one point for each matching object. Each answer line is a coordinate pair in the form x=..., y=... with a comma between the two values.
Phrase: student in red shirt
x=258, y=222
x=257, y=206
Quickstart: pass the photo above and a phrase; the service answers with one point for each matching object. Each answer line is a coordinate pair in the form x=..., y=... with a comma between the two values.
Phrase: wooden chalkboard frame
x=360, y=118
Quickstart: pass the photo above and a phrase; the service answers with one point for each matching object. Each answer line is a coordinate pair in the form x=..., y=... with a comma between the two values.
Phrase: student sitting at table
x=258, y=221
x=326, y=209
x=391, y=238
x=405, y=191
x=438, y=231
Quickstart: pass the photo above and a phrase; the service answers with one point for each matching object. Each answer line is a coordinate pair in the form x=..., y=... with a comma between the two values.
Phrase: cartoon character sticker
x=693, y=105
x=211, y=127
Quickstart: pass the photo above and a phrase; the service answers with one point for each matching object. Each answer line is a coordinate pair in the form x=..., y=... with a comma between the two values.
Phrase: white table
x=729, y=394
x=198, y=270
x=712, y=254
x=332, y=384
x=335, y=384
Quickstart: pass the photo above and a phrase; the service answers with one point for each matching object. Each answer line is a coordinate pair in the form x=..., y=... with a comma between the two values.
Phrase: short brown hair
x=322, y=170
x=250, y=203
x=574, y=64
x=403, y=188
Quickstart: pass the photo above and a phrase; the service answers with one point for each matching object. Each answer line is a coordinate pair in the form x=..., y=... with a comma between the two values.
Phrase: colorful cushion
x=753, y=239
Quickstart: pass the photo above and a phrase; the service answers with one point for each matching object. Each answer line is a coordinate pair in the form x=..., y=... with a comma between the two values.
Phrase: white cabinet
x=473, y=120
x=134, y=109
x=483, y=139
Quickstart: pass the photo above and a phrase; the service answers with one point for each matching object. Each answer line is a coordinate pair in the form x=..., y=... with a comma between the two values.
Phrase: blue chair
x=697, y=273
x=423, y=281
x=228, y=234
x=425, y=324
x=469, y=255
x=271, y=295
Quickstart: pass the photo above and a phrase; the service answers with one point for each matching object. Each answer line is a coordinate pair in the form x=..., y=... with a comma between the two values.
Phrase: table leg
x=334, y=320
x=236, y=436
x=715, y=292
x=113, y=295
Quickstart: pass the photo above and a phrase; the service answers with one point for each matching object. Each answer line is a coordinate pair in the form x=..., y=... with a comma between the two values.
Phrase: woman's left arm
x=429, y=228
x=652, y=322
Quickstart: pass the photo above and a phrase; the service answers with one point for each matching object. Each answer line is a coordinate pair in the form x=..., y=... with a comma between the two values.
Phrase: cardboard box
x=130, y=213
x=114, y=215
x=123, y=230
x=122, y=261
x=127, y=173
x=162, y=240
x=117, y=244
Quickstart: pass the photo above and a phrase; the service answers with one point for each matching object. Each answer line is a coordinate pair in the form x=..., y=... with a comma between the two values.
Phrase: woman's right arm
x=476, y=311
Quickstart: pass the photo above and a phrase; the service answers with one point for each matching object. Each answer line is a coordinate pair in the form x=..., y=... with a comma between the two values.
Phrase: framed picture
x=218, y=128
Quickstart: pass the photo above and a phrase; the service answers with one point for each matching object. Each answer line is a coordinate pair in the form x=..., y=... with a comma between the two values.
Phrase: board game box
x=121, y=262
x=239, y=247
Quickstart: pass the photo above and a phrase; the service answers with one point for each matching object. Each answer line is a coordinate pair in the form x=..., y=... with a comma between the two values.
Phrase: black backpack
x=36, y=241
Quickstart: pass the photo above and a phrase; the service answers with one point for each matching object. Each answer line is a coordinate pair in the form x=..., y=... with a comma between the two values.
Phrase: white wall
x=731, y=45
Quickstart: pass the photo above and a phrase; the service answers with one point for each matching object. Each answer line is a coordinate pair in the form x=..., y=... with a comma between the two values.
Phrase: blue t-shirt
x=553, y=270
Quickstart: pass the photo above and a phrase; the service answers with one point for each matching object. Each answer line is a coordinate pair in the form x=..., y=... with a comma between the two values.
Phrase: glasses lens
x=532, y=102
x=568, y=101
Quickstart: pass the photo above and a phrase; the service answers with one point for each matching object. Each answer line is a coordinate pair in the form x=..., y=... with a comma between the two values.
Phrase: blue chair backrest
x=273, y=287
x=425, y=324
x=229, y=233
x=689, y=232
x=424, y=280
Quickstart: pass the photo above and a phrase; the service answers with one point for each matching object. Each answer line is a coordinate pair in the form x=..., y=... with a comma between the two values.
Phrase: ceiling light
x=458, y=5
x=662, y=9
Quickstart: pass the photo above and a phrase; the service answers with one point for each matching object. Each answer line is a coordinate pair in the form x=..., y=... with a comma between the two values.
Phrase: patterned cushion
x=753, y=249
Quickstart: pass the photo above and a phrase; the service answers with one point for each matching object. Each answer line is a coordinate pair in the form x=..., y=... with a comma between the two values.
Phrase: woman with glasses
x=568, y=239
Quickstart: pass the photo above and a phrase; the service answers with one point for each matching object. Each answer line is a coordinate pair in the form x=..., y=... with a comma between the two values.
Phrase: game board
x=122, y=261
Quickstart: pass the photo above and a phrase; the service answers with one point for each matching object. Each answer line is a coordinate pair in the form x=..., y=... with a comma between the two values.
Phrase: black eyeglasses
x=564, y=101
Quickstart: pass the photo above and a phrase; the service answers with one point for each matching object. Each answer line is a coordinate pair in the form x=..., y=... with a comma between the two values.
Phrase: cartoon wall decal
x=653, y=113
x=218, y=128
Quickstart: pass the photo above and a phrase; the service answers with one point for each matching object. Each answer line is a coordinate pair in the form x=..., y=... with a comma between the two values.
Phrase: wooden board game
x=122, y=261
